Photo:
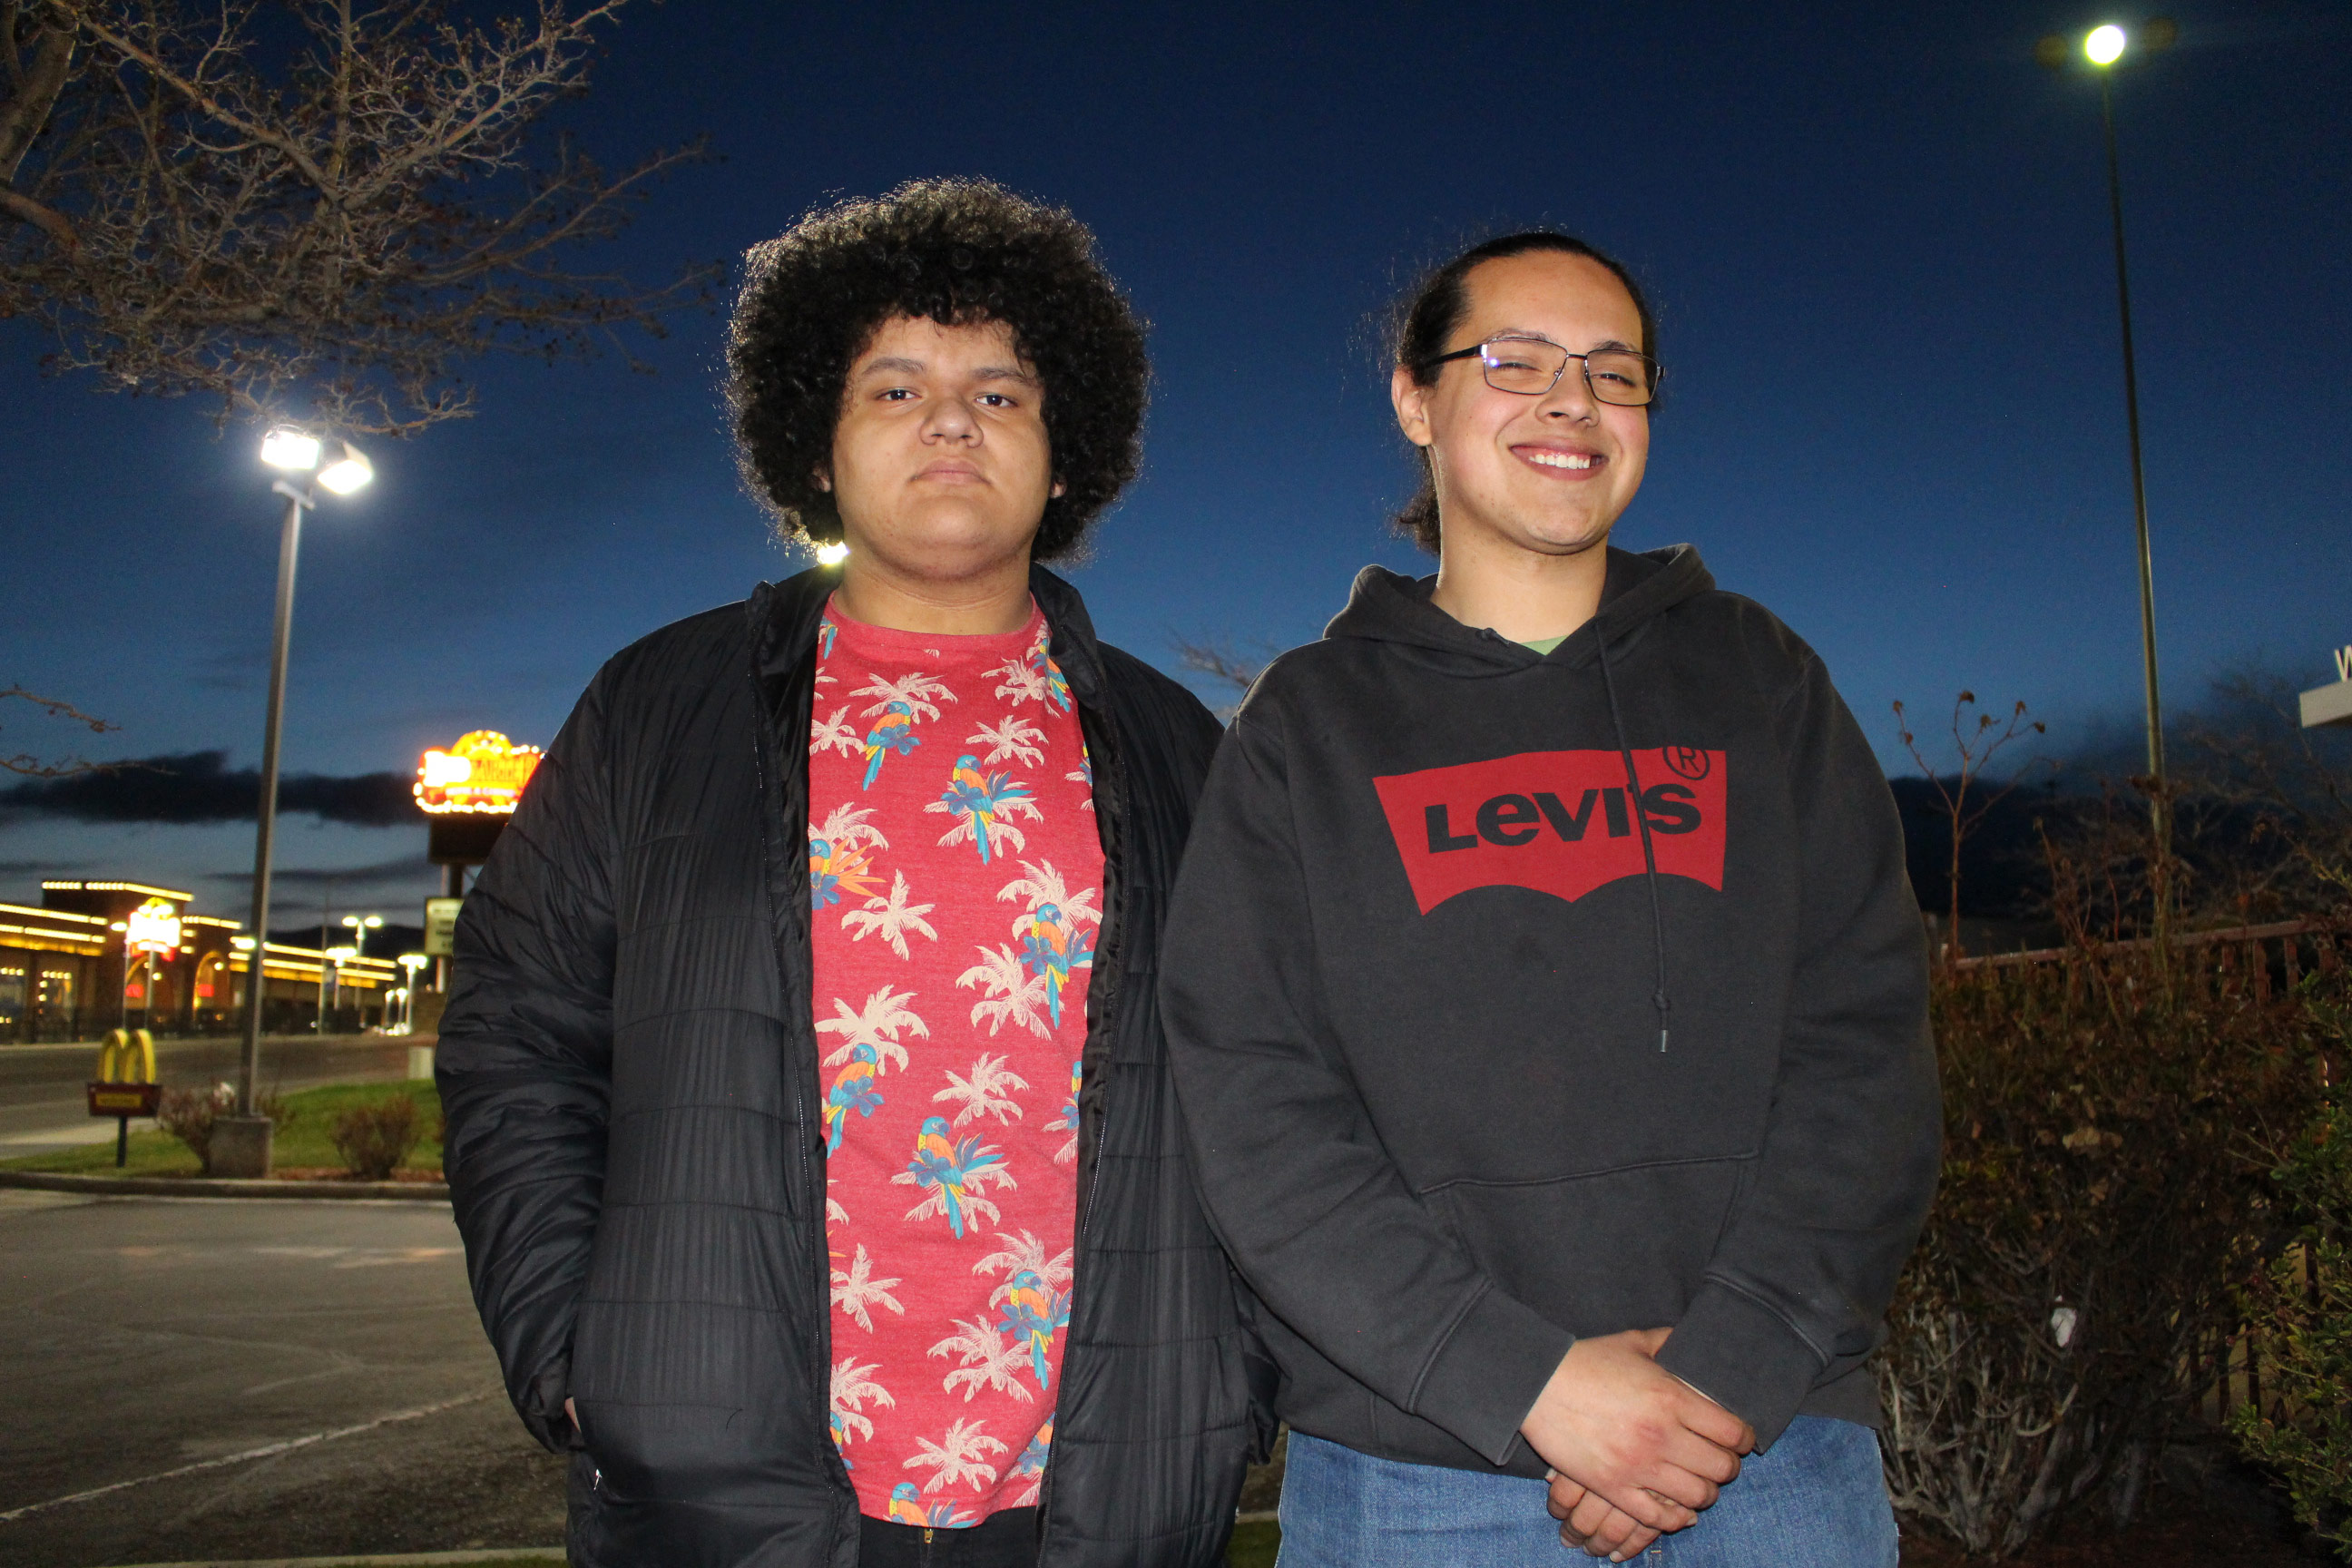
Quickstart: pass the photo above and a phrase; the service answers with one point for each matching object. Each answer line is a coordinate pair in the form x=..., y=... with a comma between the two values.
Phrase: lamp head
x=350, y=472
x=288, y=448
x=2104, y=45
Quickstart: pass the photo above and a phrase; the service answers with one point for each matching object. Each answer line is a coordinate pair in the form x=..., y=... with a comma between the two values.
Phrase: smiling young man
x=809, y=1122
x=1549, y=1005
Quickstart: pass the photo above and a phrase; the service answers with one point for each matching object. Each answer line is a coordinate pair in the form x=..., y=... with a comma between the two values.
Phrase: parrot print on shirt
x=1032, y=1316
x=981, y=802
x=853, y=1089
x=894, y=732
x=955, y=1171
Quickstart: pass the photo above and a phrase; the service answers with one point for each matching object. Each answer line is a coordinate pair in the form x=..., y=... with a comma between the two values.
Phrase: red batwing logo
x=1559, y=822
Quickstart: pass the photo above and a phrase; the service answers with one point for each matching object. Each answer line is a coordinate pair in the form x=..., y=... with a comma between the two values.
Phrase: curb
x=225, y=1187
x=501, y=1554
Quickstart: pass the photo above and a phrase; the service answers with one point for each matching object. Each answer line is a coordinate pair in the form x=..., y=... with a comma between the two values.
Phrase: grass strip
x=302, y=1142
x=1254, y=1545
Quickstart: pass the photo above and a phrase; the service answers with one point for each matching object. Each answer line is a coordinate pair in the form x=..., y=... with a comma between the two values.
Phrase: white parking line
x=264, y=1452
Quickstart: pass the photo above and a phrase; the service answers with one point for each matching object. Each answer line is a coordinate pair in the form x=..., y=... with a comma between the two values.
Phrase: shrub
x=188, y=1115
x=374, y=1139
x=2099, y=1196
x=2301, y=1303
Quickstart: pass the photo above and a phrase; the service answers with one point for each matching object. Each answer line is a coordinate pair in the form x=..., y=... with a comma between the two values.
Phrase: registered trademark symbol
x=1689, y=761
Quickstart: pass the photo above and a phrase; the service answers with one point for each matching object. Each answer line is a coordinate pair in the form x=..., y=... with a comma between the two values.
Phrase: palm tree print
x=834, y=734
x=955, y=1172
x=956, y=1458
x=848, y=823
x=986, y=1360
x=1068, y=1154
x=982, y=1094
x=855, y=1290
x=920, y=692
x=1084, y=773
x=851, y=1389
x=982, y=804
x=1042, y=884
x=1009, y=992
x=1021, y=683
x=1015, y=737
x=877, y=1025
x=1024, y=1253
x=893, y=916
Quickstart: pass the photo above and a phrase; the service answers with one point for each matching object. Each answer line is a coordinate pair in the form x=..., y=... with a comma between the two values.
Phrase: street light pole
x=2157, y=804
x=289, y=546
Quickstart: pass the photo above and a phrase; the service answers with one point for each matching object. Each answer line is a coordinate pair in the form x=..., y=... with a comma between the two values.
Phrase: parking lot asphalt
x=186, y=1380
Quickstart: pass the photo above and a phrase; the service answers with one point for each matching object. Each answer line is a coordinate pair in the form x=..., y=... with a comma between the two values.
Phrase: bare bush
x=188, y=1114
x=2101, y=1191
x=374, y=1140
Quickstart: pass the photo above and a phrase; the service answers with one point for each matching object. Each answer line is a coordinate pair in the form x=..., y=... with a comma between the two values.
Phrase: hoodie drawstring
x=1649, y=850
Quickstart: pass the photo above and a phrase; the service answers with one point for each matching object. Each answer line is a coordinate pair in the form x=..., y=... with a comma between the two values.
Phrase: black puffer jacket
x=636, y=1146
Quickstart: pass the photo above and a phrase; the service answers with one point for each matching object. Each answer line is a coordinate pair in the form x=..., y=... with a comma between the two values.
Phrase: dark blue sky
x=1877, y=237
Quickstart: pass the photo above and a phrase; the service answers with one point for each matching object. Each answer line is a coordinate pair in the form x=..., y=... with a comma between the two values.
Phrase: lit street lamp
x=338, y=956
x=2104, y=46
x=293, y=452
x=412, y=962
x=361, y=925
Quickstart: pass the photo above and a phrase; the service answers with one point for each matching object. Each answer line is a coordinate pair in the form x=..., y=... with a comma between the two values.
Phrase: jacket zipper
x=1115, y=893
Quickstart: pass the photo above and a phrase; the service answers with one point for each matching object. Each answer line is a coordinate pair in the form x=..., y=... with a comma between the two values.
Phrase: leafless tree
x=1977, y=745
x=1223, y=665
x=41, y=768
x=312, y=207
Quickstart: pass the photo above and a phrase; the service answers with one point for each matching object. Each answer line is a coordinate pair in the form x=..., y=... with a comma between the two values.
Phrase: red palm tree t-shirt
x=955, y=876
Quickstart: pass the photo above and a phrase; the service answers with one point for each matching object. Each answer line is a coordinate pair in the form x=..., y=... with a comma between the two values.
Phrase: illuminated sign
x=153, y=927
x=484, y=773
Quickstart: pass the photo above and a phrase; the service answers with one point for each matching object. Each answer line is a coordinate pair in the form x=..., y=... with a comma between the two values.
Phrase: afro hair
x=955, y=252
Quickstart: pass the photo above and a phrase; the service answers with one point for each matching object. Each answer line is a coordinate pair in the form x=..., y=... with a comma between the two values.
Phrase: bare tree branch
x=323, y=217
x=55, y=708
x=1976, y=746
x=1221, y=664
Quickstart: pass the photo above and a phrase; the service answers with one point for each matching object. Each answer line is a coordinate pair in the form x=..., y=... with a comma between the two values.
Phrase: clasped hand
x=1635, y=1451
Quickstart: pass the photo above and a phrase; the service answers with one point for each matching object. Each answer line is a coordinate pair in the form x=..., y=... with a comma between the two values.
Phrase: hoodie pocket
x=1604, y=1252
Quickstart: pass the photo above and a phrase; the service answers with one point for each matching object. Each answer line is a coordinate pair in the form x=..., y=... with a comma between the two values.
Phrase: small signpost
x=2326, y=705
x=125, y=1086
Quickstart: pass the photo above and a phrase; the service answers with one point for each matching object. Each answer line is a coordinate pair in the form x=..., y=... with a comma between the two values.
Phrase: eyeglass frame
x=1584, y=367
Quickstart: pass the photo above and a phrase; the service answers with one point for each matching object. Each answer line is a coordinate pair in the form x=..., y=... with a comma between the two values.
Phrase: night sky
x=1877, y=237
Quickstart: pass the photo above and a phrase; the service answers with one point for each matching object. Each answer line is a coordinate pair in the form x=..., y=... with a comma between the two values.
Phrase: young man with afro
x=809, y=1120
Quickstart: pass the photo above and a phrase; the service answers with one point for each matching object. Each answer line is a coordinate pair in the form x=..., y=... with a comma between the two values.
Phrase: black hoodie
x=1513, y=997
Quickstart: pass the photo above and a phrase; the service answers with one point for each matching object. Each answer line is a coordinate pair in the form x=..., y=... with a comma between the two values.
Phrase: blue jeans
x=1818, y=1500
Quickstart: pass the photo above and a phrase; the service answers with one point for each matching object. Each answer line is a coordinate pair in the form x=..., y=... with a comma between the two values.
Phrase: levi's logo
x=1559, y=822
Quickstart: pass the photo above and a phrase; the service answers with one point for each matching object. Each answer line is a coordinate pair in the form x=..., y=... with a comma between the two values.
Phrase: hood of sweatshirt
x=1390, y=608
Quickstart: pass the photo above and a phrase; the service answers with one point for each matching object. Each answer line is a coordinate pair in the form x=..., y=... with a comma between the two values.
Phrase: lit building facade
x=99, y=955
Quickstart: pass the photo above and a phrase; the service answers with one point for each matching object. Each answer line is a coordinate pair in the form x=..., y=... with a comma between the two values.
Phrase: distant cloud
x=407, y=869
x=199, y=787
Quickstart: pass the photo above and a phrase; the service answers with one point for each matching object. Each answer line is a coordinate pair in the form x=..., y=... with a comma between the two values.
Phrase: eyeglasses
x=1532, y=367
